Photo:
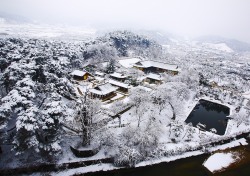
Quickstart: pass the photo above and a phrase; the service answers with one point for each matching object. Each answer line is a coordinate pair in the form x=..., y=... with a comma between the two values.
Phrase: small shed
x=80, y=75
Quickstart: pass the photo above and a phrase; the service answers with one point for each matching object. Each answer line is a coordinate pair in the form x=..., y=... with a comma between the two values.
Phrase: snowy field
x=43, y=31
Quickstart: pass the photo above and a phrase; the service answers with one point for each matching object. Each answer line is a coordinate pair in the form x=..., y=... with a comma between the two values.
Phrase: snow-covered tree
x=189, y=132
x=19, y=101
x=87, y=110
x=139, y=100
x=173, y=93
x=3, y=64
x=242, y=117
x=110, y=68
x=99, y=52
x=176, y=131
x=49, y=124
x=138, y=142
x=160, y=98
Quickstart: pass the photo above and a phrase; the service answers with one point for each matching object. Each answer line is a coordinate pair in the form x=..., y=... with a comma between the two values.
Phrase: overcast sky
x=227, y=18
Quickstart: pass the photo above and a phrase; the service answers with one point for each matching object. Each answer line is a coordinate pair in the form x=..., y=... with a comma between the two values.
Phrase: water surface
x=210, y=114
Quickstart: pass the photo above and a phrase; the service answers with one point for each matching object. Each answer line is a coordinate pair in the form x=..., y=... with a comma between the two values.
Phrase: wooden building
x=122, y=87
x=118, y=76
x=104, y=91
x=150, y=66
x=99, y=77
x=152, y=78
x=80, y=75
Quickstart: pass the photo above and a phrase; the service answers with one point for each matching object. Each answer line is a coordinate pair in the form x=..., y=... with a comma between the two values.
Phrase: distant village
x=116, y=84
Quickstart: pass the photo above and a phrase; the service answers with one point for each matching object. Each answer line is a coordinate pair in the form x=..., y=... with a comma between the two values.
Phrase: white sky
x=228, y=18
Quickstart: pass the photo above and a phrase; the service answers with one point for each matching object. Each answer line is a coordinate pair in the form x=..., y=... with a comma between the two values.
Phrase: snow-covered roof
x=103, y=89
x=99, y=78
x=154, y=76
x=147, y=89
x=162, y=65
x=246, y=95
x=119, y=84
x=99, y=73
x=118, y=75
x=78, y=73
x=129, y=62
x=219, y=46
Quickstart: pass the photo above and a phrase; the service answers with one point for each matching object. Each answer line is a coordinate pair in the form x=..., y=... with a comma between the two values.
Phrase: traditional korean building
x=150, y=66
x=152, y=78
x=103, y=91
x=122, y=87
x=118, y=76
x=80, y=75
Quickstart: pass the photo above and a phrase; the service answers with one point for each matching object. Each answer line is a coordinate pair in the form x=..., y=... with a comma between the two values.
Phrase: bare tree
x=88, y=108
x=139, y=98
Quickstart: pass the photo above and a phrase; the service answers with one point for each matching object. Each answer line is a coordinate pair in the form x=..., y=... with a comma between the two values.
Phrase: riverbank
x=190, y=166
x=109, y=169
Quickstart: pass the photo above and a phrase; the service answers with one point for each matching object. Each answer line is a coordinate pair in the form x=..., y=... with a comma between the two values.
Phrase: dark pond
x=209, y=115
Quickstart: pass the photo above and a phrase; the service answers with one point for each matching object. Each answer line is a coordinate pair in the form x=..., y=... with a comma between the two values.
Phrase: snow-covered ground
x=44, y=31
x=106, y=167
x=219, y=46
x=82, y=170
x=193, y=153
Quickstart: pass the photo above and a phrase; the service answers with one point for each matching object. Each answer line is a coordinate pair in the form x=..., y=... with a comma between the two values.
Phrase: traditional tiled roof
x=103, y=89
x=119, y=84
x=99, y=73
x=162, y=65
x=78, y=73
x=154, y=76
x=118, y=75
x=128, y=62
